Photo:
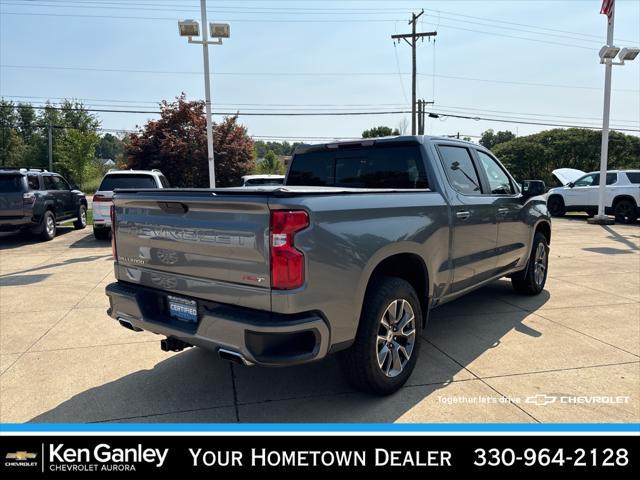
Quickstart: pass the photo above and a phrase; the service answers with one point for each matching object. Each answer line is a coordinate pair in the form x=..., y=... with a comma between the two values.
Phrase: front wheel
x=531, y=281
x=556, y=206
x=81, y=222
x=388, y=340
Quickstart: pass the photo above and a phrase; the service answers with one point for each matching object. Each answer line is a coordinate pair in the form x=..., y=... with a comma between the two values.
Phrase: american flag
x=607, y=8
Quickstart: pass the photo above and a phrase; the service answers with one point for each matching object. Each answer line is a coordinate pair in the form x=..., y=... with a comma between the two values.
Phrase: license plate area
x=182, y=309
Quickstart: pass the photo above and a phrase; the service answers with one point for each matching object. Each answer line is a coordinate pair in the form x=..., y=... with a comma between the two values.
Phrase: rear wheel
x=101, y=233
x=531, y=280
x=625, y=211
x=48, y=226
x=556, y=206
x=388, y=340
x=81, y=222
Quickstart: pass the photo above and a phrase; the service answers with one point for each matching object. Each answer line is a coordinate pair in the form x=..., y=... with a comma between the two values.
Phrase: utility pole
x=422, y=114
x=600, y=218
x=207, y=94
x=413, y=36
x=50, y=147
x=190, y=29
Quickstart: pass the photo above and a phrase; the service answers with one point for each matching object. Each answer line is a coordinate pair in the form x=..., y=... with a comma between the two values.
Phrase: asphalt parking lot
x=571, y=354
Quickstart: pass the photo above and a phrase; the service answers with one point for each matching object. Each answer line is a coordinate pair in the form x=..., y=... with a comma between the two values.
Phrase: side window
x=48, y=183
x=587, y=181
x=498, y=180
x=34, y=183
x=61, y=184
x=460, y=170
x=634, y=177
x=164, y=182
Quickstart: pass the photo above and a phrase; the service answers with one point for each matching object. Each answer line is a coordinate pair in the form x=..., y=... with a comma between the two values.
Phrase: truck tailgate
x=198, y=244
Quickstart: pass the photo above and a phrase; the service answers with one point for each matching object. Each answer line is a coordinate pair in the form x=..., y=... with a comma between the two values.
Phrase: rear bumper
x=15, y=223
x=260, y=337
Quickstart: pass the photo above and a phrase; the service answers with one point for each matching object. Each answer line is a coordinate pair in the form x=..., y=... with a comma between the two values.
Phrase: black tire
x=625, y=211
x=81, y=222
x=48, y=226
x=529, y=281
x=556, y=207
x=101, y=233
x=360, y=363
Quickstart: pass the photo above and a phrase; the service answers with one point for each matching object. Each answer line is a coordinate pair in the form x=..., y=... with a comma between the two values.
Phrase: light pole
x=607, y=54
x=190, y=29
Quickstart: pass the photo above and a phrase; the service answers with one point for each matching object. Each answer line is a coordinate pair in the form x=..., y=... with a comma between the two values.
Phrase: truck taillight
x=28, y=198
x=114, y=250
x=101, y=198
x=287, y=262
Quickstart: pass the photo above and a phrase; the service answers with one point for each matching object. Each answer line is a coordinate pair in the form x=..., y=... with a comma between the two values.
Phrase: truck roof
x=366, y=142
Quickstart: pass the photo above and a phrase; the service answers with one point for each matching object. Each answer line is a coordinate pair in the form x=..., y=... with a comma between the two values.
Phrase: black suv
x=36, y=200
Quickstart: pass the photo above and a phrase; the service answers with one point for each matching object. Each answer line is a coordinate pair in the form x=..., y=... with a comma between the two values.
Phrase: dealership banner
x=415, y=455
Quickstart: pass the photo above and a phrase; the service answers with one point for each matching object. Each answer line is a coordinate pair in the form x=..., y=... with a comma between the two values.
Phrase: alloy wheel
x=540, y=265
x=396, y=337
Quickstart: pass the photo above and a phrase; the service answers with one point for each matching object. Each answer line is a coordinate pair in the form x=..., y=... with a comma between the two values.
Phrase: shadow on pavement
x=13, y=240
x=195, y=386
x=70, y=261
x=19, y=280
x=89, y=241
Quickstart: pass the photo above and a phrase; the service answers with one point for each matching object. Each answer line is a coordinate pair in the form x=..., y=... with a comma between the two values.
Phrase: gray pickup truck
x=349, y=255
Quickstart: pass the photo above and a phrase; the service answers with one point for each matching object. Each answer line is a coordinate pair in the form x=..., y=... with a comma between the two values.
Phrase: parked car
x=35, y=200
x=102, y=200
x=350, y=255
x=580, y=193
x=255, y=180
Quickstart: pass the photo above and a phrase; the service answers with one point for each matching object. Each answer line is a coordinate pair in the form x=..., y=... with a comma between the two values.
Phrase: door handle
x=503, y=211
x=463, y=214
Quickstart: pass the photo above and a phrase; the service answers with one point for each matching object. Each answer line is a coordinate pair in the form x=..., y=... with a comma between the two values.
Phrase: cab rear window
x=11, y=183
x=111, y=182
x=378, y=166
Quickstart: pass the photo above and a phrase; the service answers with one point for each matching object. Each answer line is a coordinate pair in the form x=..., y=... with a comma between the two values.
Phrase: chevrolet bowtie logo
x=21, y=456
x=541, y=399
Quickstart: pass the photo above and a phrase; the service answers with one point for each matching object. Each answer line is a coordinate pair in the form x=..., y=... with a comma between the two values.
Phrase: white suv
x=580, y=193
x=103, y=198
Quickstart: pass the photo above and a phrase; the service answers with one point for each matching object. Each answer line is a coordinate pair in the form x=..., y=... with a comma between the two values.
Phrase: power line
x=300, y=114
x=306, y=74
x=336, y=20
x=89, y=102
x=494, y=23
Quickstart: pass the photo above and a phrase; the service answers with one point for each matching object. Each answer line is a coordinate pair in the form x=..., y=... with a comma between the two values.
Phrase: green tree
x=270, y=165
x=177, y=144
x=490, y=139
x=11, y=144
x=78, y=151
x=109, y=146
x=536, y=156
x=381, y=131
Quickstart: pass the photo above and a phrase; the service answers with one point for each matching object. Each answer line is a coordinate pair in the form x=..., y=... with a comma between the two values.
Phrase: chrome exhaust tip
x=234, y=357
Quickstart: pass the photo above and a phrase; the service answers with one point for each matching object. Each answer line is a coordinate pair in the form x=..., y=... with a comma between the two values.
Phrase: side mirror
x=571, y=184
x=533, y=188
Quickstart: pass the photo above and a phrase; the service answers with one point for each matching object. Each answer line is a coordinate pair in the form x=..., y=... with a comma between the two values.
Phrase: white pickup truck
x=580, y=193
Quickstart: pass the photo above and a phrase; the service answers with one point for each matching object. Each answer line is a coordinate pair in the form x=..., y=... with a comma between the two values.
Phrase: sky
x=530, y=61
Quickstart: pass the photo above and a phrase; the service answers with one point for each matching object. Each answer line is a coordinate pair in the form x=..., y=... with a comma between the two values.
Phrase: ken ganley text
x=262, y=457
x=103, y=457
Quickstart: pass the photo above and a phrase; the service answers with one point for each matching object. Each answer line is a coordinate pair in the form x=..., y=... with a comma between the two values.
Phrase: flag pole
x=601, y=218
